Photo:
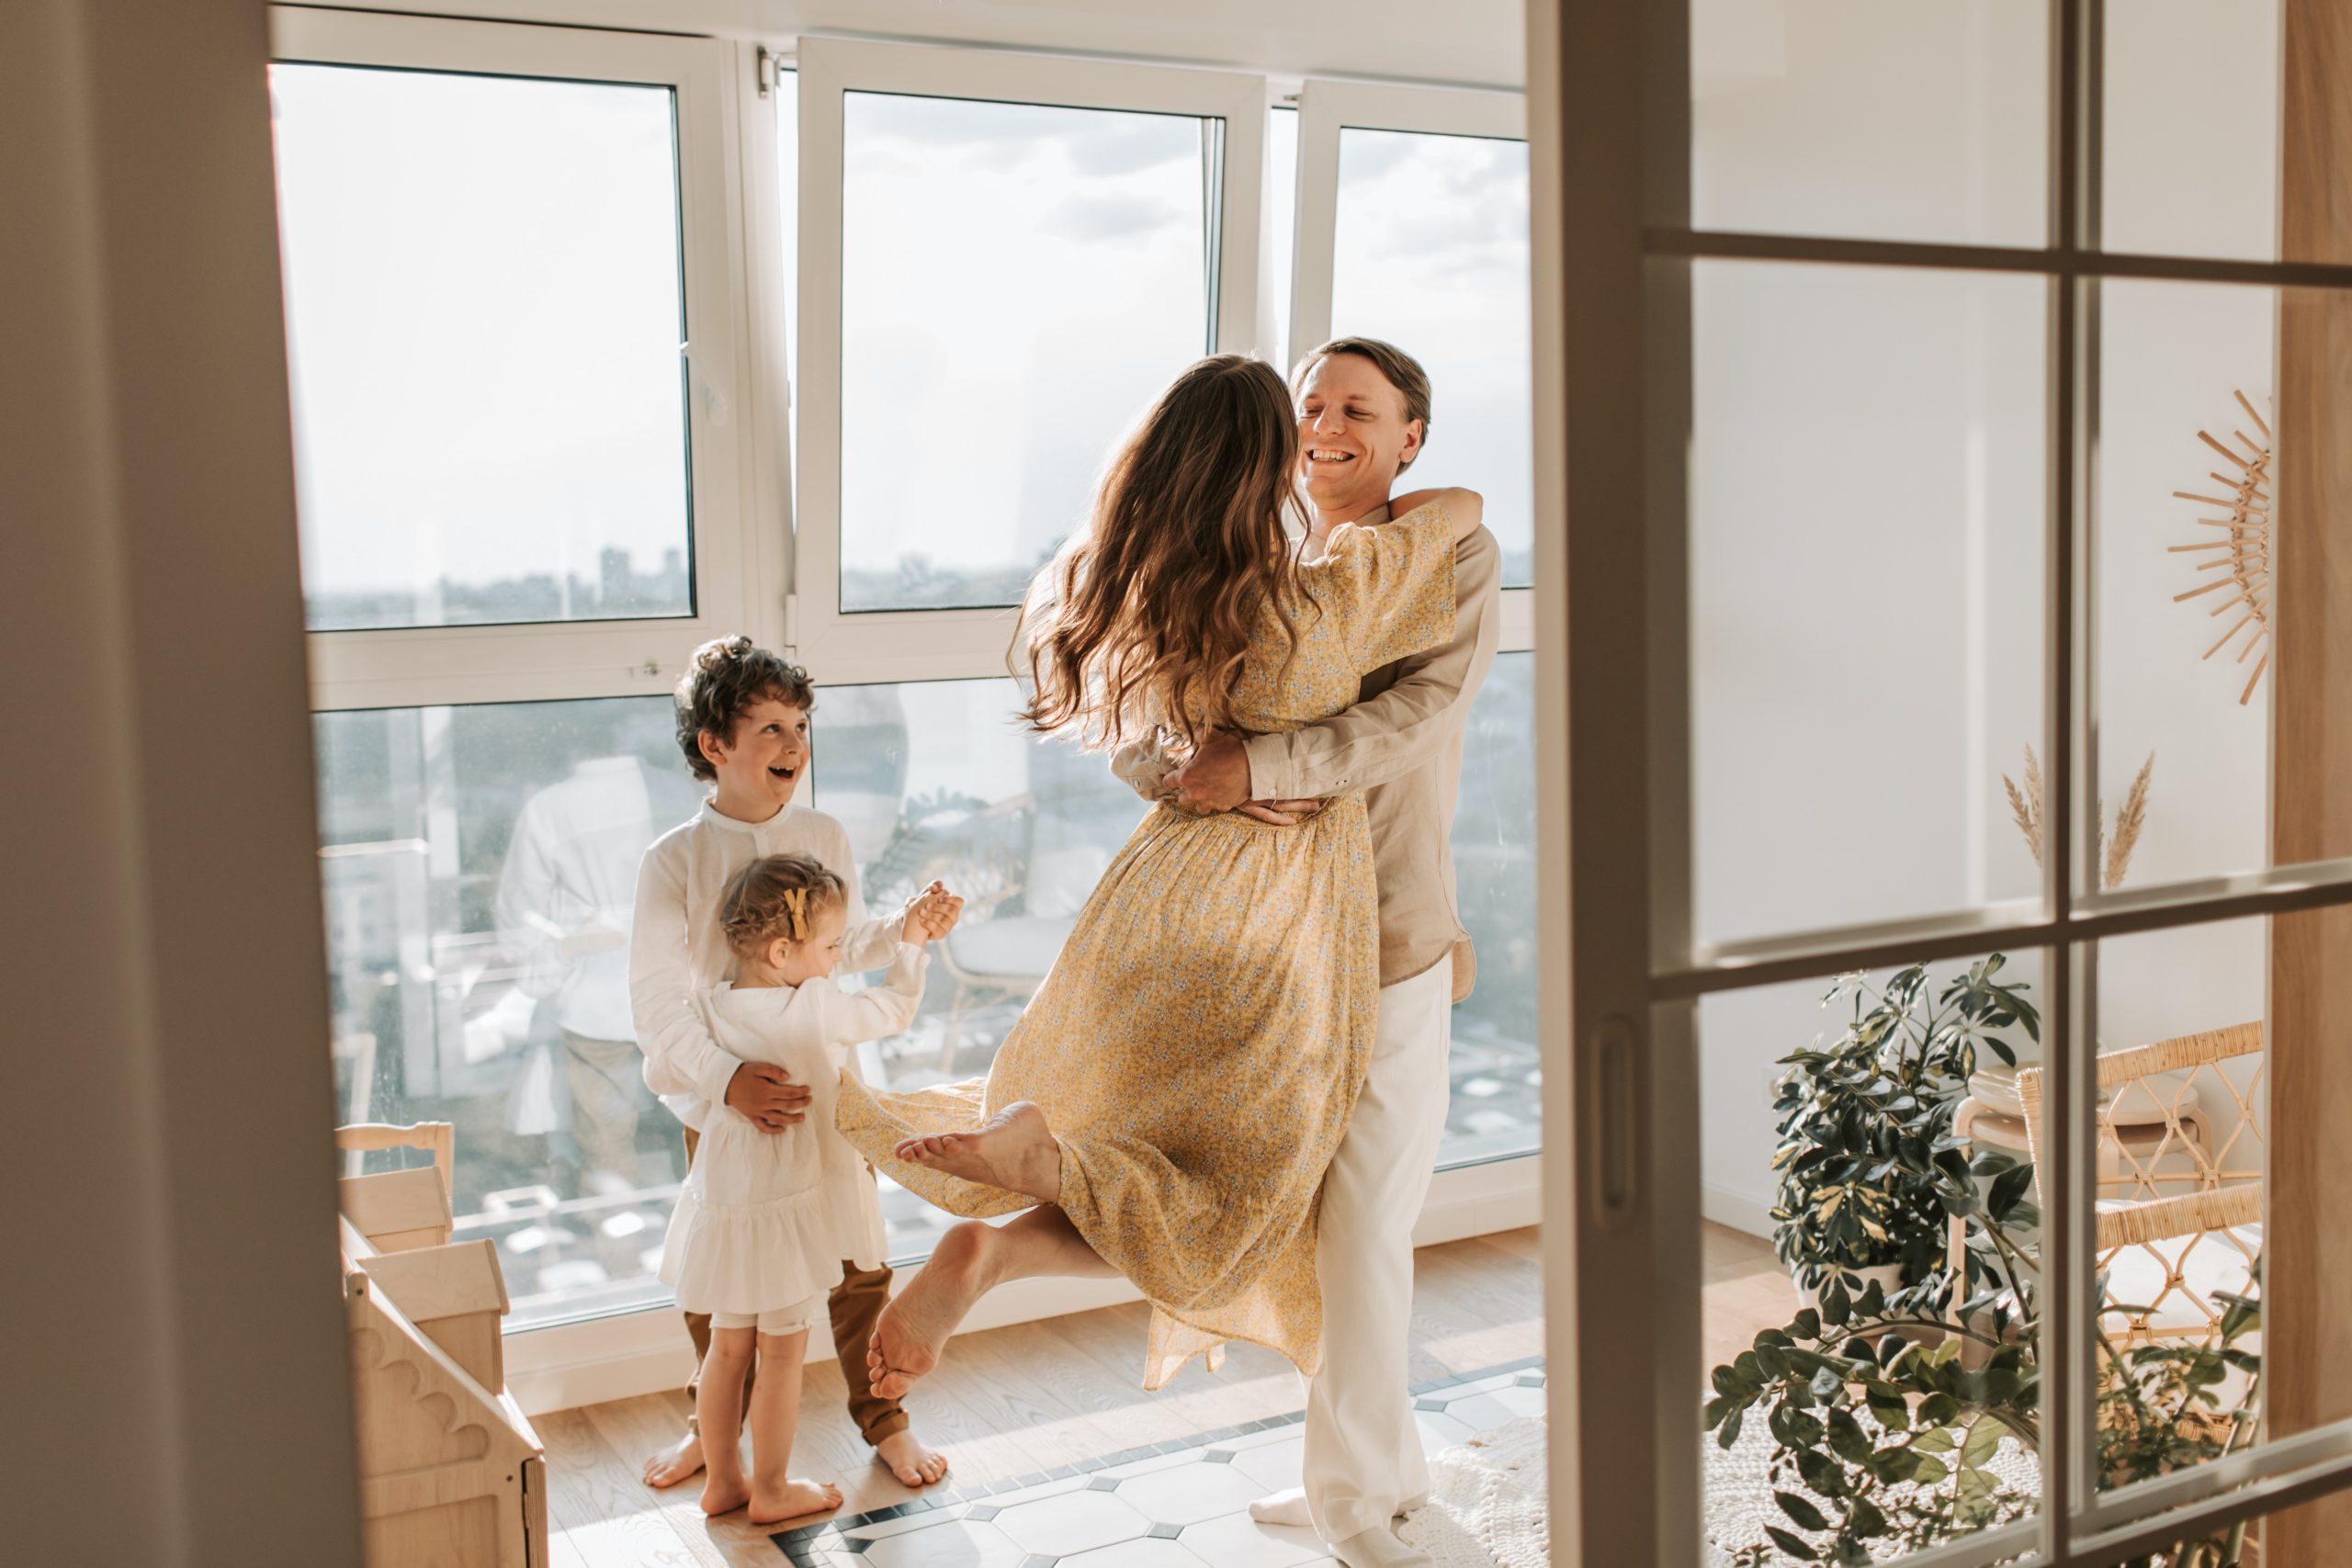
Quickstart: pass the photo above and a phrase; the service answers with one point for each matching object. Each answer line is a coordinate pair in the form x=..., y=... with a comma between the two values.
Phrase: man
x=1363, y=415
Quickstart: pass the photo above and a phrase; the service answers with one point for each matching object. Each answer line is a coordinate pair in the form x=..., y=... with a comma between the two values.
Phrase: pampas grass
x=2113, y=852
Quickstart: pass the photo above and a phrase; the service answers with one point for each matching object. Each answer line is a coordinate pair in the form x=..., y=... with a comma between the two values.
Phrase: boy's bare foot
x=914, y=1327
x=724, y=1495
x=793, y=1500
x=678, y=1462
x=1014, y=1149
x=913, y=1460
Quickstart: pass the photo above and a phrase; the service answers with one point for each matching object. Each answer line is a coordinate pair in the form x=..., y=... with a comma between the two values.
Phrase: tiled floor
x=1174, y=1504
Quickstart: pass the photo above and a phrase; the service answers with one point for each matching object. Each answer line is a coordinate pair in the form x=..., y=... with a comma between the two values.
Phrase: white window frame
x=950, y=644
x=739, y=523
x=1326, y=108
x=749, y=556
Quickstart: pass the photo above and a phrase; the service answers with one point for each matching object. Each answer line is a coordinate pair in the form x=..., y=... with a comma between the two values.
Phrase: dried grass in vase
x=2114, y=851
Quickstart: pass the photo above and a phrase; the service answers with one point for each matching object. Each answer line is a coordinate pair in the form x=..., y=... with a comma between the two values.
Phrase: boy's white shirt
x=677, y=953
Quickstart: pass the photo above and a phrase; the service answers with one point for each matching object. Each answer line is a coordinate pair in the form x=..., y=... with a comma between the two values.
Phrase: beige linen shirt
x=1401, y=744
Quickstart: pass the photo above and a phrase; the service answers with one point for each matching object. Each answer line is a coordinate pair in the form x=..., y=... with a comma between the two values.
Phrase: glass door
x=1940, y=538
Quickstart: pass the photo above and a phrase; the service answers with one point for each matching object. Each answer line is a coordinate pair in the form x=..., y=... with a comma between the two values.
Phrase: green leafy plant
x=1887, y=1409
x=1866, y=1153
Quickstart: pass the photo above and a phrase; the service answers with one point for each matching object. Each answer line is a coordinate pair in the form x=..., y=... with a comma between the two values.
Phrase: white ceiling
x=1472, y=42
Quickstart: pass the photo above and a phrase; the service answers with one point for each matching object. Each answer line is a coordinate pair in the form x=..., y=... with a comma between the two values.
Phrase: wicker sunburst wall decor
x=2241, y=559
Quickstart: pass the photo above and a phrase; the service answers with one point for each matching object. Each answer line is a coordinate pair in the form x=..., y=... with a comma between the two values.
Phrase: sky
x=485, y=315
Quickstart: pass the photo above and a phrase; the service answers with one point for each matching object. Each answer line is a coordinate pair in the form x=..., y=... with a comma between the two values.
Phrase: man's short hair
x=1403, y=371
x=722, y=681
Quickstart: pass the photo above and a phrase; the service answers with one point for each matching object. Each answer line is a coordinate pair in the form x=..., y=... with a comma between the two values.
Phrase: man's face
x=769, y=753
x=1352, y=433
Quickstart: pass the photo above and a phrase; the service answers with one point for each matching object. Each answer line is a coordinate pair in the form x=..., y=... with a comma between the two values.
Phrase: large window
x=827, y=346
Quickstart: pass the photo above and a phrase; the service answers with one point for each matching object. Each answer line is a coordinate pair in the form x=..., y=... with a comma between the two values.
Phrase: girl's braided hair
x=777, y=895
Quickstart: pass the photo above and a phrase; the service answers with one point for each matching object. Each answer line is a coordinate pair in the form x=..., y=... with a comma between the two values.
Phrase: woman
x=1169, y=1100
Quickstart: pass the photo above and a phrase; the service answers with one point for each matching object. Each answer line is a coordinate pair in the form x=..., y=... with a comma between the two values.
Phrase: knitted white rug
x=1739, y=1486
x=1486, y=1506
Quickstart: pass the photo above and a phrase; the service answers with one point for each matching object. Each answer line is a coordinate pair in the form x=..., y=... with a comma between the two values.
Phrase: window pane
x=1497, y=1080
x=1826, y=1109
x=479, y=866
x=1865, y=591
x=1018, y=282
x=1450, y=287
x=2207, y=183
x=1851, y=119
x=483, y=319
x=933, y=780
x=2182, y=1134
x=1281, y=220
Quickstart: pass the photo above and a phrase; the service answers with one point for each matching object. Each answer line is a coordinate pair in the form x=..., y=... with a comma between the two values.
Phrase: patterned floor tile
x=1137, y=1554
x=1236, y=1541
x=955, y=1543
x=1274, y=1466
x=1074, y=1522
x=1179, y=1505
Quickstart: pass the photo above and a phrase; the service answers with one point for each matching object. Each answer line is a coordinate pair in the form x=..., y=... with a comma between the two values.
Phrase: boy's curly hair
x=777, y=896
x=724, y=677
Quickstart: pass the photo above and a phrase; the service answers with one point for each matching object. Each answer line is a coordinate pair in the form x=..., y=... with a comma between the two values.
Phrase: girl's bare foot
x=724, y=1495
x=913, y=1461
x=1014, y=1149
x=914, y=1328
x=793, y=1500
x=678, y=1462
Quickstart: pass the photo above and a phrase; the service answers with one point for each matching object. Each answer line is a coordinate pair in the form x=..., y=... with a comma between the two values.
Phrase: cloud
x=1110, y=216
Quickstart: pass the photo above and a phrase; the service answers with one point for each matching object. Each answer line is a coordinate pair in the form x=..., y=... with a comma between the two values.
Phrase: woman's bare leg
x=1014, y=1149
x=970, y=1260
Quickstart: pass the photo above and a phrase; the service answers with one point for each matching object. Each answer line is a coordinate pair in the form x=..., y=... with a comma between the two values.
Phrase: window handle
x=1612, y=1130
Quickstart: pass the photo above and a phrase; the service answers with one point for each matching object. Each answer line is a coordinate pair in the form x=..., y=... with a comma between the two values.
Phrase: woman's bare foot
x=793, y=1500
x=913, y=1460
x=678, y=1462
x=1014, y=1149
x=914, y=1328
x=724, y=1495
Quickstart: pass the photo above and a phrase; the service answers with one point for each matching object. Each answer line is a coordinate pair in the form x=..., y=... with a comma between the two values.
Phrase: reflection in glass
x=1850, y=119
x=479, y=866
x=1018, y=282
x=1430, y=254
x=934, y=780
x=484, y=318
x=1865, y=591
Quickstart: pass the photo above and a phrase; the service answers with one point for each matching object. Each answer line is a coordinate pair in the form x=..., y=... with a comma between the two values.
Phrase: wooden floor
x=1010, y=1402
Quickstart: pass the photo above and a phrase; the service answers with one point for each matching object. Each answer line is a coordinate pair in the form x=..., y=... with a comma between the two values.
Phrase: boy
x=743, y=725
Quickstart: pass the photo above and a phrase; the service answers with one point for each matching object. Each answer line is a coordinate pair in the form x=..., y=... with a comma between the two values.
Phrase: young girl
x=766, y=1219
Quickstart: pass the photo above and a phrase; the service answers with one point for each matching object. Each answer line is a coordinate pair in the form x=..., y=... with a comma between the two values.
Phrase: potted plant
x=1863, y=1119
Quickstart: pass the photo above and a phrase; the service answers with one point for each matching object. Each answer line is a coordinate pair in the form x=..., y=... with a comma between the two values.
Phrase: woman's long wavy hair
x=1148, y=610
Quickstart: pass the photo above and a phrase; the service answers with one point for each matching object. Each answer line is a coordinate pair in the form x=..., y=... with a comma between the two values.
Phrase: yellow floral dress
x=1200, y=1043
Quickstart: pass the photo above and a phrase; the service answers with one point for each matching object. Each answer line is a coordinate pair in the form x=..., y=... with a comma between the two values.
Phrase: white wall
x=1867, y=496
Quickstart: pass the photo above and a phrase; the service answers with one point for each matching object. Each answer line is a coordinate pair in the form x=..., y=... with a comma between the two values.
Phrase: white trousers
x=1363, y=1463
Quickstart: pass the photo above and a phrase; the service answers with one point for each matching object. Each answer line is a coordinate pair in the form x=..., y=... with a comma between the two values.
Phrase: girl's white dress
x=765, y=1220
